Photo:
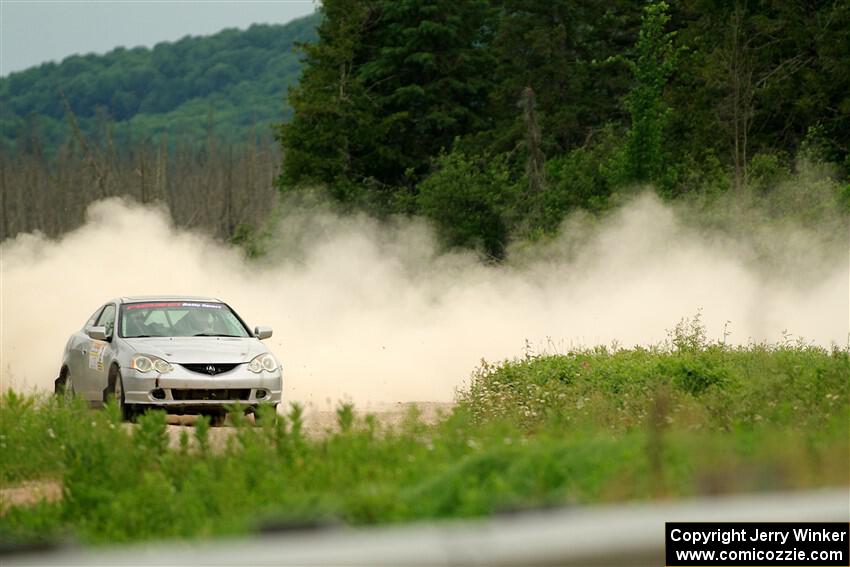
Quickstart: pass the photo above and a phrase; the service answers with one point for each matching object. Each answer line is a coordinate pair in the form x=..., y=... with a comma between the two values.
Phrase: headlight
x=263, y=362
x=146, y=363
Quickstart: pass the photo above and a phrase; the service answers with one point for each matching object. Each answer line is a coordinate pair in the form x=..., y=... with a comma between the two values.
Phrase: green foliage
x=345, y=416
x=238, y=75
x=695, y=374
x=605, y=94
x=598, y=96
x=471, y=200
x=843, y=199
x=565, y=52
x=653, y=64
x=588, y=426
x=388, y=85
x=248, y=237
x=715, y=387
x=331, y=118
x=760, y=75
x=767, y=170
x=583, y=178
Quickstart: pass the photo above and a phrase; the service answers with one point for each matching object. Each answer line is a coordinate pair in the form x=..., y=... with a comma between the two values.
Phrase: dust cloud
x=373, y=312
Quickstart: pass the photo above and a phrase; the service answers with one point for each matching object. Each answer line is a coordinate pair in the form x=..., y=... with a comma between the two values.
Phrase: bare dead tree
x=535, y=160
x=218, y=194
x=744, y=79
x=92, y=156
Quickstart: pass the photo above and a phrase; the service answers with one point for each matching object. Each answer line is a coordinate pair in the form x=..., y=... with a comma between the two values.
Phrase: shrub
x=471, y=200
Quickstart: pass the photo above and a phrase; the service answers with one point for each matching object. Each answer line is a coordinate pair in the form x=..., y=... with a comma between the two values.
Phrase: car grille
x=217, y=394
x=209, y=368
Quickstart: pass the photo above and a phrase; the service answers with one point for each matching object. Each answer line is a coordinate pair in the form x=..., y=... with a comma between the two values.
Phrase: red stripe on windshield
x=150, y=305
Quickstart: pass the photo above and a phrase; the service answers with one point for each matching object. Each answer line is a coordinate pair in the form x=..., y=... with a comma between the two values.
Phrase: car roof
x=138, y=298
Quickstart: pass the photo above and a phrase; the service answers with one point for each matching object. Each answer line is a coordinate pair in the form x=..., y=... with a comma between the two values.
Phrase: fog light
x=261, y=394
x=158, y=394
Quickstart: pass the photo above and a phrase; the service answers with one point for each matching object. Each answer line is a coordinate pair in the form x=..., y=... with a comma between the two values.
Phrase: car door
x=99, y=355
x=78, y=349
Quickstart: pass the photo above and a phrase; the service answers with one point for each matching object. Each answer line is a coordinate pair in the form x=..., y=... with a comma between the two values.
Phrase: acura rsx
x=186, y=355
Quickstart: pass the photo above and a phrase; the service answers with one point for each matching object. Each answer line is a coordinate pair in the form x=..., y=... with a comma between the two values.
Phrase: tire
x=217, y=418
x=62, y=386
x=128, y=412
x=68, y=391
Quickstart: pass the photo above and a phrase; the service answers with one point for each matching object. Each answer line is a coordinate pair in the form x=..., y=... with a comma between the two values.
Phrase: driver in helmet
x=198, y=322
x=135, y=325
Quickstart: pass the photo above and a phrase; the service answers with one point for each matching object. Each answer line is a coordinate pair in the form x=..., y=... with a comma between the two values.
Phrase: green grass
x=589, y=426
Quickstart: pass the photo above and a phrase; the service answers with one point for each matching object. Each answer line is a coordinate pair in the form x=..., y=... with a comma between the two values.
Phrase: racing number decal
x=96, y=353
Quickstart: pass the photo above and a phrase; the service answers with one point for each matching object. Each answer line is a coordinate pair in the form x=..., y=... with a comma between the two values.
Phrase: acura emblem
x=211, y=369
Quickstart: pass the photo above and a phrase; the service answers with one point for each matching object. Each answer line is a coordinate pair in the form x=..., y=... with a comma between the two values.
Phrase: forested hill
x=234, y=80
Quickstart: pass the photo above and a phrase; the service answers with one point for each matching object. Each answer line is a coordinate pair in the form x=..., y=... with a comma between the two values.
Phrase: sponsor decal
x=203, y=305
x=97, y=350
x=167, y=304
x=153, y=305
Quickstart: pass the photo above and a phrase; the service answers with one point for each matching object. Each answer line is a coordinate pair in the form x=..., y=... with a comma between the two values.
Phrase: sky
x=36, y=31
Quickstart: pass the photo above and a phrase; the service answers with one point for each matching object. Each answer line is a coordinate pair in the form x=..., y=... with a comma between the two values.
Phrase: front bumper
x=182, y=388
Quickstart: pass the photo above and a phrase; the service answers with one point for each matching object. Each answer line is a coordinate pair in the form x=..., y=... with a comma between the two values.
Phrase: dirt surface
x=30, y=493
x=321, y=422
x=317, y=423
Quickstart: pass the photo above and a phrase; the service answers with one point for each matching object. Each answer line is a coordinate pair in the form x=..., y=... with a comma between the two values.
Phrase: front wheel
x=63, y=387
x=128, y=412
x=217, y=419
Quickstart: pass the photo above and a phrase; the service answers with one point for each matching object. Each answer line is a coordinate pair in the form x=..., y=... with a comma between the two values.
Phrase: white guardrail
x=631, y=534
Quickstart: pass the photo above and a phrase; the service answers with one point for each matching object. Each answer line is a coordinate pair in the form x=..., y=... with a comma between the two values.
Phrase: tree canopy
x=495, y=118
x=237, y=79
x=404, y=103
x=387, y=87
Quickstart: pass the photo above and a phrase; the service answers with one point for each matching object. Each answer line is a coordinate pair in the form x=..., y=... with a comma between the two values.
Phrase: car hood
x=189, y=350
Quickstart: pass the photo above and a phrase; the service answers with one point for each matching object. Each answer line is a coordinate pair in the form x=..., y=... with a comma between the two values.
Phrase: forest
x=493, y=118
x=497, y=118
x=234, y=81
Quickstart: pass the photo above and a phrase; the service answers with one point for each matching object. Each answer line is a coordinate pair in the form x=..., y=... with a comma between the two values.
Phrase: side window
x=93, y=318
x=107, y=319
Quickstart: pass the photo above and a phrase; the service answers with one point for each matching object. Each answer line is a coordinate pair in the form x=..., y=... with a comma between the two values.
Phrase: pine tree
x=563, y=51
x=389, y=84
x=333, y=115
x=653, y=63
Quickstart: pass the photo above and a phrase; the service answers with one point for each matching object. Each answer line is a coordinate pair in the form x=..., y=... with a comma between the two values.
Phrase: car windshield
x=179, y=319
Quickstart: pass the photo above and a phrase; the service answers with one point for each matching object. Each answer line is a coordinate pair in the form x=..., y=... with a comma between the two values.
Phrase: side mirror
x=262, y=332
x=97, y=333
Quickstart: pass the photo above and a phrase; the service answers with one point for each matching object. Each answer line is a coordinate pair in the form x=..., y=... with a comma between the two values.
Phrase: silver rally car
x=188, y=355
